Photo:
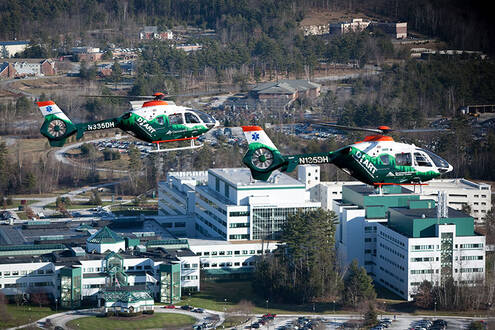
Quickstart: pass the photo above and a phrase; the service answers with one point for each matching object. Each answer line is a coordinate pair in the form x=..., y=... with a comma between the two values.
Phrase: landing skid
x=193, y=145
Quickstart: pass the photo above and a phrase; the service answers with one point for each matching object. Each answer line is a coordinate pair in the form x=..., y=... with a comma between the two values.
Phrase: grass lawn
x=233, y=321
x=213, y=295
x=157, y=320
x=78, y=205
x=18, y=315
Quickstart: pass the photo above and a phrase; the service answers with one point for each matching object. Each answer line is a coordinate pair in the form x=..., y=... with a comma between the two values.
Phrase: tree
x=135, y=165
x=116, y=75
x=371, y=316
x=305, y=268
x=423, y=297
x=62, y=202
x=95, y=198
x=358, y=286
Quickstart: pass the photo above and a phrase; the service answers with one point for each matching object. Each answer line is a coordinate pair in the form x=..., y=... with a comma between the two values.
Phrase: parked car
x=186, y=307
x=169, y=306
x=198, y=310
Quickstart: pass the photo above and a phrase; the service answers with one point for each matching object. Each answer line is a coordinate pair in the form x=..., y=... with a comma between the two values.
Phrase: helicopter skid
x=193, y=145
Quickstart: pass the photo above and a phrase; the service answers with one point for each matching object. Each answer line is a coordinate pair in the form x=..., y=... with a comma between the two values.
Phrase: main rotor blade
x=350, y=128
x=422, y=130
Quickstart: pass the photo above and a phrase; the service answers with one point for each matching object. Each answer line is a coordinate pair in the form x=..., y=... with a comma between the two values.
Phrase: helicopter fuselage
x=376, y=160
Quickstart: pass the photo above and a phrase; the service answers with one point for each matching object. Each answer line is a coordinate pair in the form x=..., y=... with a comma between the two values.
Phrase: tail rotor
x=57, y=126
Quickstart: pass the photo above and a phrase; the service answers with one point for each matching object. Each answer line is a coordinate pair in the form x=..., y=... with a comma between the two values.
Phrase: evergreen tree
x=371, y=316
x=358, y=286
x=305, y=268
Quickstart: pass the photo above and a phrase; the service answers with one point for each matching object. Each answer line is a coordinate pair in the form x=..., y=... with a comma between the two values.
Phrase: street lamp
x=435, y=303
x=267, y=306
x=56, y=305
x=225, y=305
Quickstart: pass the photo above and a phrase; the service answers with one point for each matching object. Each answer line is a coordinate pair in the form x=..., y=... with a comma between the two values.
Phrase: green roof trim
x=32, y=247
x=105, y=235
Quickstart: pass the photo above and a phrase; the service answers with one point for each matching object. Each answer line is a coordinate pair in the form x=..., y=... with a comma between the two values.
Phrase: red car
x=169, y=306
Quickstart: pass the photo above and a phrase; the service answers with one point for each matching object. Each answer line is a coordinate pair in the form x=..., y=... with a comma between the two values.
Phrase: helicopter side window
x=403, y=159
x=437, y=160
x=191, y=118
x=421, y=160
x=385, y=160
x=176, y=118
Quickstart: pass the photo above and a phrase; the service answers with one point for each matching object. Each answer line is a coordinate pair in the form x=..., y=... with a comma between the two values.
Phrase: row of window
x=228, y=264
x=25, y=284
x=239, y=225
x=400, y=279
x=471, y=270
x=470, y=258
x=370, y=229
x=423, y=247
x=212, y=204
x=239, y=236
x=93, y=286
x=212, y=226
x=392, y=262
x=391, y=286
x=391, y=238
x=422, y=271
x=230, y=253
x=190, y=266
x=26, y=273
x=189, y=277
x=471, y=246
x=389, y=249
x=239, y=213
x=423, y=259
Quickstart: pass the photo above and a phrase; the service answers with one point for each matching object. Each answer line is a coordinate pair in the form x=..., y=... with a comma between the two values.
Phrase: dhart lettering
x=366, y=163
x=144, y=124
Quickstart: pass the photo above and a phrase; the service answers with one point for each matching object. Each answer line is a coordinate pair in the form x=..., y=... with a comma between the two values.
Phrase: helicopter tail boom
x=57, y=126
x=263, y=157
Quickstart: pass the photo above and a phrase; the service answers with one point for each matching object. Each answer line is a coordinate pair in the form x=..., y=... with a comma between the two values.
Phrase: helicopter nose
x=444, y=170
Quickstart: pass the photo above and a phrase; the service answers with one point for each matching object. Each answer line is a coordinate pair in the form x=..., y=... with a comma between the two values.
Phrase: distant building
x=356, y=25
x=189, y=48
x=27, y=67
x=401, y=240
x=397, y=30
x=7, y=70
x=287, y=90
x=127, y=271
x=88, y=54
x=315, y=30
x=151, y=32
x=11, y=48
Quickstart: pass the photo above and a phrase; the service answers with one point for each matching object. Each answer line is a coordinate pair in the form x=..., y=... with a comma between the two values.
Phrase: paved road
x=61, y=319
x=60, y=156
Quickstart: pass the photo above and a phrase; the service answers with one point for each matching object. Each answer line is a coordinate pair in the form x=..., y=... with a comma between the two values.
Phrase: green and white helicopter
x=377, y=160
x=156, y=121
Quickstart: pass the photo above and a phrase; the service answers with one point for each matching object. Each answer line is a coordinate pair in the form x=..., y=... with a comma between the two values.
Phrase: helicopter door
x=403, y=159
x=176, y=119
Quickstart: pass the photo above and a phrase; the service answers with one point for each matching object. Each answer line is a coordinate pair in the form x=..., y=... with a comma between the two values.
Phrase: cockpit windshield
x=437, y=160
x=206, y=118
